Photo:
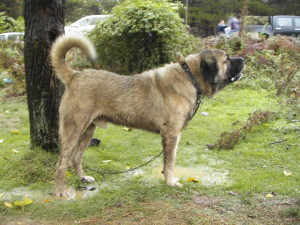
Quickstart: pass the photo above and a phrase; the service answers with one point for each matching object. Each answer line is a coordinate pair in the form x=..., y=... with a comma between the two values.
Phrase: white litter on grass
x=106, y=161
x=138, y=172
x=204, y=113
x=1, y=140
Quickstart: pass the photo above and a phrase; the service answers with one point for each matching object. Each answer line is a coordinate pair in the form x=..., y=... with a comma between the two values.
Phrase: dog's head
x=218, y=69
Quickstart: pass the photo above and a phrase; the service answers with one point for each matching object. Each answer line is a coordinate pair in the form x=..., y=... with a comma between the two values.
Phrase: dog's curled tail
x=58, y=52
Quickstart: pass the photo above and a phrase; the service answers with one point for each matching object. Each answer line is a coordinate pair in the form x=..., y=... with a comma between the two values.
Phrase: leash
x=191, y=76
x=125, y=171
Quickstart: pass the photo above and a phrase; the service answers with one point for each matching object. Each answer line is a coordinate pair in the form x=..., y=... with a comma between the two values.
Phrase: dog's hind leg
x=61, y=169
x=70, y=134
x=77, y=155
x=170, y=140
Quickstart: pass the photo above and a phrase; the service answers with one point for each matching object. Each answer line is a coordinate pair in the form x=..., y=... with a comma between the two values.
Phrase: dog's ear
x=179, y=57
x=209, y=70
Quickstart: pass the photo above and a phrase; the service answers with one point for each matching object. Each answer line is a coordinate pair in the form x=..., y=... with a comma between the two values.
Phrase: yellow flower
x=192, y=179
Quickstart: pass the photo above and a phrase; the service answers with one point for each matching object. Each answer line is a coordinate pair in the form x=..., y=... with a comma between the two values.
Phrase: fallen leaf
x=293, y=95
x=15, y=131
x=46, y=200
x=128, y=167
x=287, y=173
x=127, y=129
x=269, y=196
x=233, y=193
x=192, y=179
x=68, y=174
x=14, y=151
x=26, y=201
x=8, y=205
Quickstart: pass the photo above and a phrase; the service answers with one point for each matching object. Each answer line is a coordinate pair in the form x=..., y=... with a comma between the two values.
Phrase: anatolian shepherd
x=161, y=100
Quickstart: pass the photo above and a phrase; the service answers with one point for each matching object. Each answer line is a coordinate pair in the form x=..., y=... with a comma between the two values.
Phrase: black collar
x=187, y=70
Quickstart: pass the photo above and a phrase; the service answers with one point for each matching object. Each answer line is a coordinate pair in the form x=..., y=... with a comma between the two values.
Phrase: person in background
x=234, y=23
x=221, y=27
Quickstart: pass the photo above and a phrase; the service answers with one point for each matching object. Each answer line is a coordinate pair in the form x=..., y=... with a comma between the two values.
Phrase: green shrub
x=12, y=66
x=8, y=24
x=232, y=45
x=141, y=35
x=272, y=64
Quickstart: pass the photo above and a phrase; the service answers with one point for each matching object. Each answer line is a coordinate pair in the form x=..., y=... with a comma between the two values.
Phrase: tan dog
x=161, y=100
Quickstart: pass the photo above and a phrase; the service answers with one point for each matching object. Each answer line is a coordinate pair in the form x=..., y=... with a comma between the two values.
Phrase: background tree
x=284, y=7
x=44, y=22
x=13, y=8
x=204, y=15
x=75, y=9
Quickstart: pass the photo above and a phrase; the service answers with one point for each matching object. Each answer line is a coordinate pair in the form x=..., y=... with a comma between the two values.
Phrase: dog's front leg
x=170, y=140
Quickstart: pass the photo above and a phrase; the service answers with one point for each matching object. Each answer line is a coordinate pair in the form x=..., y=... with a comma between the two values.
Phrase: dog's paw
x=61, y=193
x=87, y=179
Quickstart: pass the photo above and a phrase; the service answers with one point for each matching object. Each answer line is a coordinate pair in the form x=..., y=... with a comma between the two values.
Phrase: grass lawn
x=257, y=182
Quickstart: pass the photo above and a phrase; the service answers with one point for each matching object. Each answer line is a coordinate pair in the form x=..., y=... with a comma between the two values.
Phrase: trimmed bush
x=141, y=35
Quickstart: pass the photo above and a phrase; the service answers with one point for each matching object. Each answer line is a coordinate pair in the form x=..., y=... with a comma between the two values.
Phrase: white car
x=12, y=36
x=84, y=25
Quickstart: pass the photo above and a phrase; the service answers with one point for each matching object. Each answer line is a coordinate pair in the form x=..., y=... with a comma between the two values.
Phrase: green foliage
x=232, y=45
x=272, y=64
x=275, y=59
x=5, y=22
x=251, y=170
x=209, y=13
x=12, y=65
x=256, y=20
x=13, y=8
x=19, y=24
x=76, y=9
x=141, y=35
x=261, y=8
x=8, y=24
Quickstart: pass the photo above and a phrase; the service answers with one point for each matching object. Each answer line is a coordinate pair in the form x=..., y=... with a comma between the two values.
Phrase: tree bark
x=44, y=22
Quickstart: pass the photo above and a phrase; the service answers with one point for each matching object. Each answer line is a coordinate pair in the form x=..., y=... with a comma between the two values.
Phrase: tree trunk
x=44, y=22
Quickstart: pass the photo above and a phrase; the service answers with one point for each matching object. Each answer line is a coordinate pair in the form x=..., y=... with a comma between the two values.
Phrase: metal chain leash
x=126, y=171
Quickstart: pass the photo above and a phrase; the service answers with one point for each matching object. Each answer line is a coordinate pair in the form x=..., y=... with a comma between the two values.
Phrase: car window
x=84, y=22
x=284, y=22
x=12, y=37
x=94, y=21
x=90, y=21
x=297, y=22
x=2, y=37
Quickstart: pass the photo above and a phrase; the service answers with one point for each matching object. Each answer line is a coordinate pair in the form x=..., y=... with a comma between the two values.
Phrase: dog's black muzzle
x=235, y=69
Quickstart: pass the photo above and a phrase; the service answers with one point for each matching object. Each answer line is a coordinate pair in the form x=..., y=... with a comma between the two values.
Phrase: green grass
x=252, y=169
